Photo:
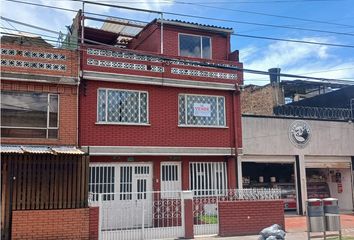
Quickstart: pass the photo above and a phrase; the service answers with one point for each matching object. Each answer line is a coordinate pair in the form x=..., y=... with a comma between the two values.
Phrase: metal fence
x=160, y=215
x=314, y=112
x=139, y=215
x=205, y=205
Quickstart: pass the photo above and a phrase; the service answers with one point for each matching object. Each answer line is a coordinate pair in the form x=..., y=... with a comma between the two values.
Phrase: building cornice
x=25, y=77
x=169, y=82
x=157, y=151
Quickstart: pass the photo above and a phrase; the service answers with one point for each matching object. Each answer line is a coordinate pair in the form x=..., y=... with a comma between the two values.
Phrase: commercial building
x=306, y=150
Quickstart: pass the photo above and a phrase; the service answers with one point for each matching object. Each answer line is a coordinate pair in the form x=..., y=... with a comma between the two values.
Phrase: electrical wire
x=265, y=14
x=192, y=16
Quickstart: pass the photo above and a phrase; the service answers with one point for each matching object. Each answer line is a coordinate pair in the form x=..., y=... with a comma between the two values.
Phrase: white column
x=303, y=182
x=239, y=172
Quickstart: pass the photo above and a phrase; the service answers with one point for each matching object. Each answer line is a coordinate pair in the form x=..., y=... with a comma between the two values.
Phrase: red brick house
x=159, y=110
x=166, y=104
x=43, y=175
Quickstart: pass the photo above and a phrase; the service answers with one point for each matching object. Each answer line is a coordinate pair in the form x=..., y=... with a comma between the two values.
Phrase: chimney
x=274, y=76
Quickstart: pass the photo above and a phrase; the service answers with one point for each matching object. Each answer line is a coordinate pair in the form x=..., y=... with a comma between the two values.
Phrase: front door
x=126, y=190
x=134, y=192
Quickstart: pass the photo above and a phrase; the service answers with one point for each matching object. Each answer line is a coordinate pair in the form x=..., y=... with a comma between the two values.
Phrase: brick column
x=231, y=173
x=187, y=197
x=185, y=174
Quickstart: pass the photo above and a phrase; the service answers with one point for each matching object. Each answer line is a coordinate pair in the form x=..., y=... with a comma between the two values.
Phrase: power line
x=265, y=14
x=191, y=16
x=251, y=71
x=293, y=40
x=251, y=36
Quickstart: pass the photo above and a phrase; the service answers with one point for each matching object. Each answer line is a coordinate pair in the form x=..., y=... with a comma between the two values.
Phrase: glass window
x=122, y=106
x=201, y=110
x=29, y=115
x=207, y=178
x=194, y=46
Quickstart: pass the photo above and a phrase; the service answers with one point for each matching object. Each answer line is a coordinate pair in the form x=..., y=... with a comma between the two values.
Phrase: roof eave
x=190, y=25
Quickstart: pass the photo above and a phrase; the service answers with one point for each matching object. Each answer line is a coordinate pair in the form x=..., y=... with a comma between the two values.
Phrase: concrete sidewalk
x=296, y=229
x=347, y=235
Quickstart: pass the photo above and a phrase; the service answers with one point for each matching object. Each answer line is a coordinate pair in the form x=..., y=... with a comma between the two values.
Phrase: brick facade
x=70, y=61
x=37, y=69
x=67, y=111
x=51, y=224
x=150, y=40
x=249, y=217
x=94, y=221
x=163, y=119
x=260, y=100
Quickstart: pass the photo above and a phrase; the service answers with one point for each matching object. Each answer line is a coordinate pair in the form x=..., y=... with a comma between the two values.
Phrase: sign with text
x=201, y=109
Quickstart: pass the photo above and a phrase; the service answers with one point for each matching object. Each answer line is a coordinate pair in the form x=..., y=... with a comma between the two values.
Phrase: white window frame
x=216, y=167
x=48, y=119
x=201, y=126
x=201, y=45
x=122, y=123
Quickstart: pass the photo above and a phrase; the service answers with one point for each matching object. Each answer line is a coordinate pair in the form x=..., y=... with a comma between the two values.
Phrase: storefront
x=304, y=158
x=272, y=172
x=330, y=177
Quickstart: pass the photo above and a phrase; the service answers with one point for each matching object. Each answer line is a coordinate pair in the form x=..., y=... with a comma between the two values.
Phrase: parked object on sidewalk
x=273, y=232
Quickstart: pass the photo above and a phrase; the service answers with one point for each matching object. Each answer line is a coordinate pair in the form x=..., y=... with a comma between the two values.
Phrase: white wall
x=269, y=136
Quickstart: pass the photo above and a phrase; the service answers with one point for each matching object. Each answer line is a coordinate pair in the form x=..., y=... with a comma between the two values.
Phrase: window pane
x=53, y=111
x=24, y=109
x=53, y=133
x=201, y=110
x=23, y=133
x=206, y=47
x=101, y=105
x=221, y=111
x=123, y=106
x=181, y=109
x=143, y=108
x=189, y=46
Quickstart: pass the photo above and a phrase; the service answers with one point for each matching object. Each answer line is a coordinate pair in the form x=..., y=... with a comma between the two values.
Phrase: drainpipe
x=235, y=111
x=161, y=44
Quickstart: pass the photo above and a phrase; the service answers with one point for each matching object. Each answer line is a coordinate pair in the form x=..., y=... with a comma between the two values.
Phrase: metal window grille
x=101, y=180
x=170, y=179
x=122, y=106
x=208, y=178
x=126, y=182
x=188, y=116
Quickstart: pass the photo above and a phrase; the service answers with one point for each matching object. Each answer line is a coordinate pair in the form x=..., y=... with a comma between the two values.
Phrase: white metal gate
x=158, y=219
x=128, y=207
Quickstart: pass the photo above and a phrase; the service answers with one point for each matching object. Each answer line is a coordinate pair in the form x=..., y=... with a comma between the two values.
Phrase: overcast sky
x=259, y=54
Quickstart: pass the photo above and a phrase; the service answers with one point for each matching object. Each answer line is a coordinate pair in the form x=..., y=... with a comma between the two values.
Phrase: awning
x=55, y=150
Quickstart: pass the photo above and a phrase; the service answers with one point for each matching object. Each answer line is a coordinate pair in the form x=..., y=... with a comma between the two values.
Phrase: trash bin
x=331, y=210
x=315, y=215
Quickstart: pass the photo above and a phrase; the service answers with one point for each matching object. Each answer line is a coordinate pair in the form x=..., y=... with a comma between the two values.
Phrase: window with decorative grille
x=122, y=106
x=207, y=178
x=201, y=110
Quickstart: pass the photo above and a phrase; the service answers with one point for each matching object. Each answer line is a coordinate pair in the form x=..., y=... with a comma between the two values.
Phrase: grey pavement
x=347, y=233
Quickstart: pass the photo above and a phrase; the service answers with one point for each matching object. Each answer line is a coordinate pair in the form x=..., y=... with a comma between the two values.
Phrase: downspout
x=235, y=111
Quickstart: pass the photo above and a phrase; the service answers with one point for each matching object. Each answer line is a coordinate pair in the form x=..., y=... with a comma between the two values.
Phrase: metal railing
x=314, y=112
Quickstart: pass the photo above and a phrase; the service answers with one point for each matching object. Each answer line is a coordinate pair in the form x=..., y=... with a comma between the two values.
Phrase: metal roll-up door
x=328, y=162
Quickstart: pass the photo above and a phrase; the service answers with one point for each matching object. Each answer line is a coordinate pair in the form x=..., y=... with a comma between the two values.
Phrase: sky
x=331, y=21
